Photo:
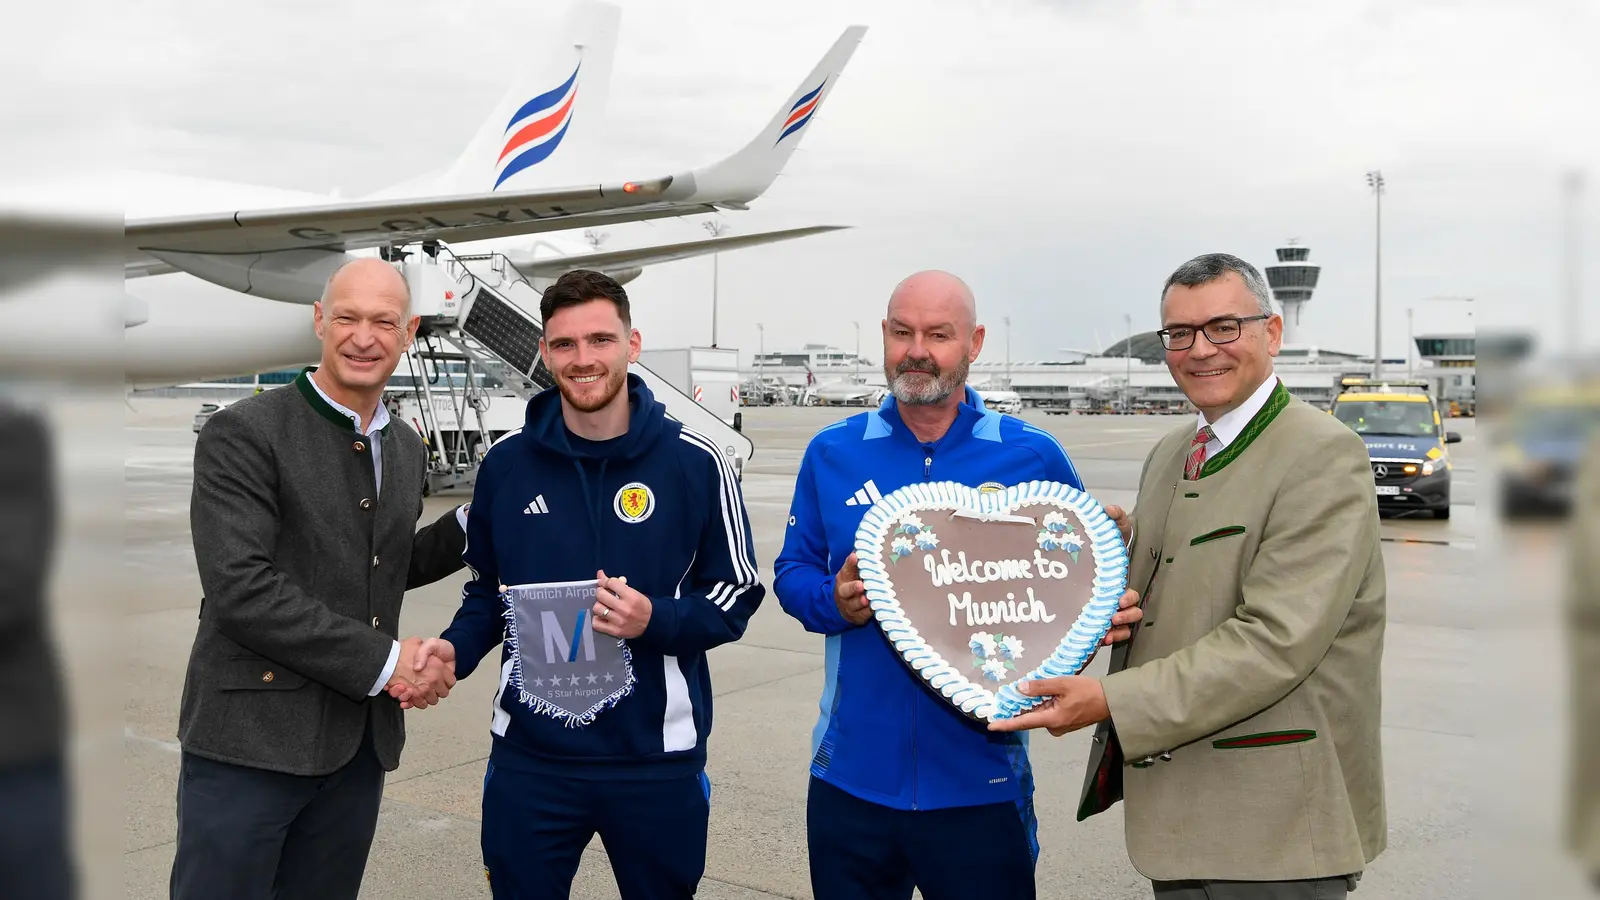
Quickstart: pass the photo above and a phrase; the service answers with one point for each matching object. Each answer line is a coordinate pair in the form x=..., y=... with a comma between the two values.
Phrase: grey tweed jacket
x=303, y=565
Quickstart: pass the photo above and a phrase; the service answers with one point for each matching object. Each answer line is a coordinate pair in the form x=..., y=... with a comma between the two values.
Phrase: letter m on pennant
x=558, y=645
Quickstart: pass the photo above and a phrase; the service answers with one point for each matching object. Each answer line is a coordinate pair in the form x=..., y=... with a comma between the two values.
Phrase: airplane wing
x=611, y=260
x=204, y=244
x=366, y=224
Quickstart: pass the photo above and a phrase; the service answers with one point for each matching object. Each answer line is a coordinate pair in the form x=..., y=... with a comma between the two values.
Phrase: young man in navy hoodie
x=600, y=490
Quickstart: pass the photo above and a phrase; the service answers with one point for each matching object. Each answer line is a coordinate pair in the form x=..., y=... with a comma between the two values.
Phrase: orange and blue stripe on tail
x=801, y=112
x=536, y=129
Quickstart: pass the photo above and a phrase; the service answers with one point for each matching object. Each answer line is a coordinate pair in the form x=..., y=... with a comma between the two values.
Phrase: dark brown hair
x=581, y=286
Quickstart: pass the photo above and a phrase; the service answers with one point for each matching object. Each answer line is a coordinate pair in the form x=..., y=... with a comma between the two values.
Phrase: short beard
x=614, y=383
x=930, y=392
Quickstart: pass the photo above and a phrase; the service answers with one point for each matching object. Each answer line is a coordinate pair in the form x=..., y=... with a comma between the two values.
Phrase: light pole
x=858, y=353
x=1008, y=352
x=1411, y=340
x=1375, y=182
x=717, y=227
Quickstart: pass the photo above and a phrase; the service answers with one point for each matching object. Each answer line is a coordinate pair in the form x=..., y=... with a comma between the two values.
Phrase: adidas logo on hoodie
x=866, y=495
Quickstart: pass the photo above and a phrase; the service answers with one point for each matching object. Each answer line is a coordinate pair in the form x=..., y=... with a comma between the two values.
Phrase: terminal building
x=1132, y=375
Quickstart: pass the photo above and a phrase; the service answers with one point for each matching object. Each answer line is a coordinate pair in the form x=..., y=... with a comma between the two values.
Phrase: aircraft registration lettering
x=505, y=216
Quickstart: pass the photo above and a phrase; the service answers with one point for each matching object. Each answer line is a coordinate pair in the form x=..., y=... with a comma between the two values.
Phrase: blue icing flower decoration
x=1058, y=534
x=1010, y=647
x=982, y=644
x=900, y=547
x=995, y=654
x=927, y=540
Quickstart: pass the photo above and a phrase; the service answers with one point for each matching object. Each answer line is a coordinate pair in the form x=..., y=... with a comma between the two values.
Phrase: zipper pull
x=927, y=467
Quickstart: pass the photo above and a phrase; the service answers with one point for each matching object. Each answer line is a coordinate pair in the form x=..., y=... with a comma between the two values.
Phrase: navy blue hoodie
x=692, y=555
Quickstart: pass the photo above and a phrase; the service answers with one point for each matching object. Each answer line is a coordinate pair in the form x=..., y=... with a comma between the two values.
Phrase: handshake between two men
x=426, y=670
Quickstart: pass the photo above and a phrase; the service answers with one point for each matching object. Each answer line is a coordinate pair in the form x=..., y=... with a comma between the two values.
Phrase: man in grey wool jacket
x=304, y=512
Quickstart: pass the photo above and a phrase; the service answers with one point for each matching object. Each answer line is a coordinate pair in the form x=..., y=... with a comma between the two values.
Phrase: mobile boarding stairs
x=483, y=308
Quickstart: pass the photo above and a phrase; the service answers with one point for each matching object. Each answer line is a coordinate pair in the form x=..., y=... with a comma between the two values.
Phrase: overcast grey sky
x=1061, y=156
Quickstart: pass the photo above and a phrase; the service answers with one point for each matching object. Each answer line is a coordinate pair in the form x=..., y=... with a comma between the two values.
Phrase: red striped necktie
x=1197, y=453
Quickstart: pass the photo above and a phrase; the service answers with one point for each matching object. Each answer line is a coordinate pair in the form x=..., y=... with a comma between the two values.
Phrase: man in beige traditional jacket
x=1241, y=722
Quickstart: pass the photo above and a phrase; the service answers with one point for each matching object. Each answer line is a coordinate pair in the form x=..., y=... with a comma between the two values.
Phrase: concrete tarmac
x=767, y=688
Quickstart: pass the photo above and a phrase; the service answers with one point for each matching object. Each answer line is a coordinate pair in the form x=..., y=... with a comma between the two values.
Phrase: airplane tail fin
x=545, y=131
x=746, y=174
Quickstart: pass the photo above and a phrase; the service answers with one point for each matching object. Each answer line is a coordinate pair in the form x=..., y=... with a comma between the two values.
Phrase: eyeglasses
x=1218, y=331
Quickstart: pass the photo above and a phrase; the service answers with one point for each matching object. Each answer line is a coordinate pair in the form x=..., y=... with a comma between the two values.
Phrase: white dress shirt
x=1230, y=425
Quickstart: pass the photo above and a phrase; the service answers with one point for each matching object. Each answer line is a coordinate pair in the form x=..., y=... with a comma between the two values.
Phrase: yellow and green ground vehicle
x=1400, y=423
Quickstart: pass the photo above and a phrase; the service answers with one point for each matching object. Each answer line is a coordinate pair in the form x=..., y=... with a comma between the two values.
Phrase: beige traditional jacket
x=1245, y=711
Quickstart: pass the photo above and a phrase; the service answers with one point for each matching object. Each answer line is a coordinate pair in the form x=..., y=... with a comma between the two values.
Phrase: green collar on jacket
x=309, y=391
x=1276, y=402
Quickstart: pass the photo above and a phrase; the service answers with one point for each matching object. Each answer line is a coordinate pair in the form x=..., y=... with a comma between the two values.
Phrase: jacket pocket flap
x=1265, y=739
x=1229, y=531
x=255, y=673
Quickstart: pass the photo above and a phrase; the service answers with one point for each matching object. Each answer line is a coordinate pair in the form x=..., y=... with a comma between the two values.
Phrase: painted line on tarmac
x=1464, y=545
x=129, y=735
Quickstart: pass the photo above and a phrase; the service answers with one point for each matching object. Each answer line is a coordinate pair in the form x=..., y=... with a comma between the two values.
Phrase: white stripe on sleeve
x=739, y=548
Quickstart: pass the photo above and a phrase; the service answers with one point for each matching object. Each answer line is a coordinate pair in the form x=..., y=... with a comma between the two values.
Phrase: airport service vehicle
x=1400, y=424
x=709, y=375
x=1543, y=445
x=1008, y=402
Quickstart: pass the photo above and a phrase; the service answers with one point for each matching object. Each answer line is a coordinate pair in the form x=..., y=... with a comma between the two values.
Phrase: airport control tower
x=1292, y=280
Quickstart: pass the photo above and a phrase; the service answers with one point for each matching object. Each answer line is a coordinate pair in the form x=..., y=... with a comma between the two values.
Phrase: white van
x=1008, y=402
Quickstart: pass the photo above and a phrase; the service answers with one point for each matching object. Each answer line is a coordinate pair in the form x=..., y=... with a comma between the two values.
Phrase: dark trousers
x=35, y=862
x=862, y=851
x=1315, y=889
x=535, y=828
x=250, y=834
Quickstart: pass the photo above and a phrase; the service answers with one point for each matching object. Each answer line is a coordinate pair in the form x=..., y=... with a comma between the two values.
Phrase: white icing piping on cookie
x=1074, y=649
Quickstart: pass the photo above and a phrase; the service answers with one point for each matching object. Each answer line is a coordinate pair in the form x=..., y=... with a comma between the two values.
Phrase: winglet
x=547, y=129
x=745, y=175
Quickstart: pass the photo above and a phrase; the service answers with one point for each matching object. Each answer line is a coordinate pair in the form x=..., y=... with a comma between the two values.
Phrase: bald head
x=364, y=322
x=369, y=276
x=933, y=290
x=931, y=336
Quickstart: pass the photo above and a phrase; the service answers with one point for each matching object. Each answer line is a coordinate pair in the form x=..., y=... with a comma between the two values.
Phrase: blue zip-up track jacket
x=883, y=735
x=546, y=509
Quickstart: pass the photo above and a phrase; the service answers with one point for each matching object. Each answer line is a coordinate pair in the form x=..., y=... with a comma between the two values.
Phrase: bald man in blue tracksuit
x=906, y=791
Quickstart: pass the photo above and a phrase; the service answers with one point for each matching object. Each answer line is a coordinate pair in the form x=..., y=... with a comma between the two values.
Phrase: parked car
x=206, y=411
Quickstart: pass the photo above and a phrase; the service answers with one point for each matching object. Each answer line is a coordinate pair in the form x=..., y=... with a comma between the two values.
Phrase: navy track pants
x=862, y=851
x=535, y=829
